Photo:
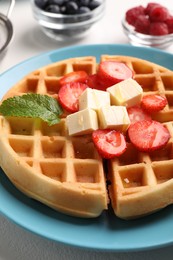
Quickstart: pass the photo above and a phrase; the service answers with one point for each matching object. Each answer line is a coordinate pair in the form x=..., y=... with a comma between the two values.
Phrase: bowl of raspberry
x=67, y=19
x=150, y=25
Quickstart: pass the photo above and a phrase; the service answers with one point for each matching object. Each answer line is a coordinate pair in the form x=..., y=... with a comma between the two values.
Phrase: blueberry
x=65, y=2
x=63, y=9
x=71, y=7
x=55, y=2
x=53, y=9
x=67, y=6
x=41, y=3
x=84, y=2
x=94, y=4
x=83, y=10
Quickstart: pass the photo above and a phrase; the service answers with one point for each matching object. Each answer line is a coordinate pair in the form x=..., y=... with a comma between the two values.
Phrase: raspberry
x=133, y=13
x=169, y=23
x=149, y=7
x=154, y=19
x=142, y=24
x=159, y=14
x=158, y=28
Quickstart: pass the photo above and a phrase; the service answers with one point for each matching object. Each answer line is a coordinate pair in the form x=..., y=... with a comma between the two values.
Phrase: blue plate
x=106, y=232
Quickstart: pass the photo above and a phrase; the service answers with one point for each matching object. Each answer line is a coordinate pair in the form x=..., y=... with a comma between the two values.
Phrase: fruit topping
x=136, y=113
x=154, y=19
x=68, y=95
x=67, y=7
x=93, y=82
x=111, y=72
x=109, y=143
x=153, y=103
x=112, y=114
x=148, y=135
x=75, y=76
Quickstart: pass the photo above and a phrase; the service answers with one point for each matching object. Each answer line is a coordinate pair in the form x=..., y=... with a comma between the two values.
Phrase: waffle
x=44, y=162
x=142, y=183
x=66, y=173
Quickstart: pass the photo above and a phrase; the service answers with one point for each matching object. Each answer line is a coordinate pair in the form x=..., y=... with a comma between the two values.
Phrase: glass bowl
x=139, y=39
x=67, y=26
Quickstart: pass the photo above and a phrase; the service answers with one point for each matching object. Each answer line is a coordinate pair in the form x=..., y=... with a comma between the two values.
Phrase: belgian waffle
x=44, y=162
x=142, y=183
x=66, y=173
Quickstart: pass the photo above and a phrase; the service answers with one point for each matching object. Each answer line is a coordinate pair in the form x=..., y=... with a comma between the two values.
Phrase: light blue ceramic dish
x=106, y=232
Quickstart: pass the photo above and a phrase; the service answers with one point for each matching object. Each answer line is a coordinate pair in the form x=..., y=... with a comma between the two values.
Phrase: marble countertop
x=15, y=242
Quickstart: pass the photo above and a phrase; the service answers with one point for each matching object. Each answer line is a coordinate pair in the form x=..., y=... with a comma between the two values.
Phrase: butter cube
x=114, y=117
x=82, y=122
x=93, y=98
x=125, y=93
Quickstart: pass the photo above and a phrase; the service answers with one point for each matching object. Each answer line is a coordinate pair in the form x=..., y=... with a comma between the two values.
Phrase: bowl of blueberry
x=150, y=26
x=67, y=19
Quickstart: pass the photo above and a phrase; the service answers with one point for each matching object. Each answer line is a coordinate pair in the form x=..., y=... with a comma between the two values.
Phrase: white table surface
x=15, y=242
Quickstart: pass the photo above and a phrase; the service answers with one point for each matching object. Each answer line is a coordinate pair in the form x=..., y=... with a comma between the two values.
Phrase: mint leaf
x=32, y=105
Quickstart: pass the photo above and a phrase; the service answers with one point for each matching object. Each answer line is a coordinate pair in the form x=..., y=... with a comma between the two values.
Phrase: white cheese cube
x=93, y=98
x=125, y=93
x=82, y=122
x=114, y=117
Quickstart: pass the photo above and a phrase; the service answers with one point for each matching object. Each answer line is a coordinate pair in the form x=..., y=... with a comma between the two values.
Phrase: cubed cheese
x=93, y=98
x=125, y=93
x=114, y=117
x=82, y=122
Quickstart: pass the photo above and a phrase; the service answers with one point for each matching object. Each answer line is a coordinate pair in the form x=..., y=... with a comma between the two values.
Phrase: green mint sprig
x=32, y=105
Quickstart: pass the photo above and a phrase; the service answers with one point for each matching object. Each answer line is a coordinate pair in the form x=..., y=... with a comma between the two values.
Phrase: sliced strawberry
x=75, y=76
x=68, y=95
x=148, y=135
x=93, y=82
x=153, y=103
x=112, y=72
x=136, y=113
x=109, y=143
